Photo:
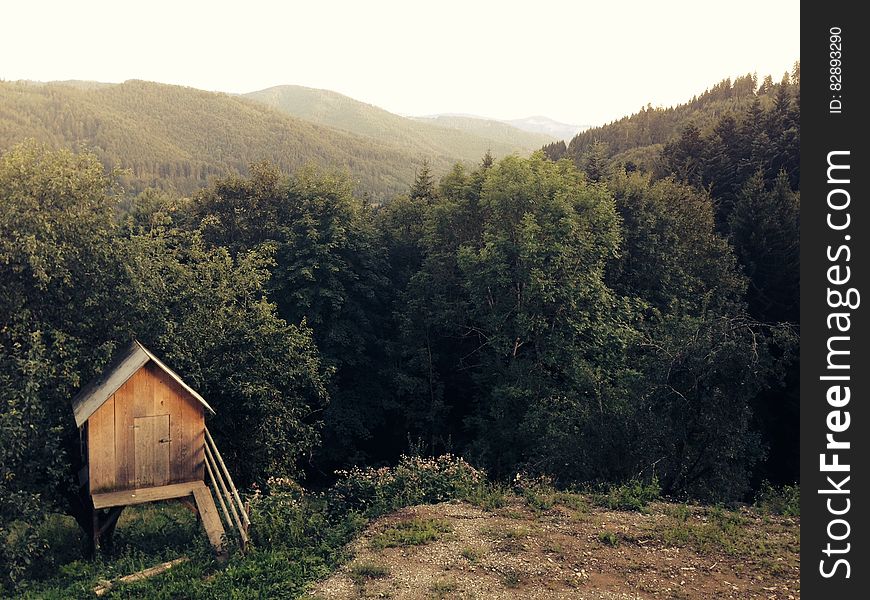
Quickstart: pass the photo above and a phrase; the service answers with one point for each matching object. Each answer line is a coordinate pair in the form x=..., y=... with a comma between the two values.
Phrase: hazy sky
x=575, y=61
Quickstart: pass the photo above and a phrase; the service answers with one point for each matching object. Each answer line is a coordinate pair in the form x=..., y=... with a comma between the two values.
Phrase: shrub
x=633, y=495
x=287, y=517
x=22, y=548
x=472, y=553
x=415, y=480
x=538, y=492
x=443, y=588
x=785, y=501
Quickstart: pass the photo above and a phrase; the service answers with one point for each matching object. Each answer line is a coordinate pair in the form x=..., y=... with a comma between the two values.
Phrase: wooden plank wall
x=101, y=447
x=186, y=425
x=111, y=441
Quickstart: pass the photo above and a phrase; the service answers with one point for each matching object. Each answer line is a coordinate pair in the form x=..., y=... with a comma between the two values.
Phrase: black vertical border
x=821, y=133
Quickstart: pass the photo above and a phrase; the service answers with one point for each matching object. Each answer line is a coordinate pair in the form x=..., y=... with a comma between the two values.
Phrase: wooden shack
x=144, y=439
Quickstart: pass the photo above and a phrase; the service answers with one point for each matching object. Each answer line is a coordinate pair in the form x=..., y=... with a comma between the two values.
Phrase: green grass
x=512, y=578
x=553, y=547
x=510, y=539
x=472, y=554
x=366, y=570
x=150, y=534
x=680, y=512
x=716, y=530
x=298, y=539
x=443, y=588
x=634, y=495
x=414, y=532
x=488, y=496
x=574, y=501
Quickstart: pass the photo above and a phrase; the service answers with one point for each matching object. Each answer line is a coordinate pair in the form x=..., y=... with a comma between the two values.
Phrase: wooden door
x=151, y=450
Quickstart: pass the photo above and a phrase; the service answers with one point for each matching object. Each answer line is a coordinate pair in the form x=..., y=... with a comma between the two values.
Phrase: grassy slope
x=467, y=139
x=543, y=545
x=571, y=549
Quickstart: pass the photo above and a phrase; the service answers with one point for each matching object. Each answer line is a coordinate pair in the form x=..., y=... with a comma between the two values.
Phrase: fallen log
x=105, y=586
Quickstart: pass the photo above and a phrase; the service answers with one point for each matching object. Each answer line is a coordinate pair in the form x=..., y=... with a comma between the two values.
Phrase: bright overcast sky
x=574, y=61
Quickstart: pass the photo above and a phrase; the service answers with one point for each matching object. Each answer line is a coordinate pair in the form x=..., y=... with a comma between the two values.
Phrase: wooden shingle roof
x=117, y=372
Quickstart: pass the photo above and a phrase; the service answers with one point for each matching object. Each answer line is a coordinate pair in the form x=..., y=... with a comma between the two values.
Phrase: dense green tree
x=329, y=271
x=700, y=360
x=555, y=150
x=78, y=282
x=595, y=161
x=765, y=232
x=423, y=187
x=671, y=256
x=62, y=305
x=692, y=422
x=516, y=270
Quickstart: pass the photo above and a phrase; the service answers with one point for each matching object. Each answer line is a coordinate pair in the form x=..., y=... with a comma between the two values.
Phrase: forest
x=176, y=138
x=618, y=309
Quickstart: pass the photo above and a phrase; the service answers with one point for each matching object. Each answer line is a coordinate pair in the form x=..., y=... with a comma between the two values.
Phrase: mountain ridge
x=177, y=137
x=468, y=141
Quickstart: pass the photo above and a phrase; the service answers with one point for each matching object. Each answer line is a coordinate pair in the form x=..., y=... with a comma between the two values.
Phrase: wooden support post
x=210, y=519
x=111, y=520
x=95, y=518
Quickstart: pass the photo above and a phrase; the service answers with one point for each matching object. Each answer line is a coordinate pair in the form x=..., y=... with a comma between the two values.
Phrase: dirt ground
x=580, y=552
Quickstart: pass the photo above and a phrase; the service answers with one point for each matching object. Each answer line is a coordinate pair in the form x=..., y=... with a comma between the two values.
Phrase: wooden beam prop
x=220, y=498
x=209, y=455
x=229, y=477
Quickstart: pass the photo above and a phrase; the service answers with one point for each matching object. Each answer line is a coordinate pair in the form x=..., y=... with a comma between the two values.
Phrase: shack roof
x=123, y=365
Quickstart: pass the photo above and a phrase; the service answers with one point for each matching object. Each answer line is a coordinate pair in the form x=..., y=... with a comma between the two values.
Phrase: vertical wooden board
x=166, y=396
x=124, y=447
x=144, y=443
x=194, y=435
x=173, y=399
x=161, y=462
x=101, y=448
x=143, y=392
x=178, y=450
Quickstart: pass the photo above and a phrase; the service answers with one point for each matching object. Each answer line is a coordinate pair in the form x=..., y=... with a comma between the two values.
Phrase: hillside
x=174, y=137
x=640, y=137
x=467, y=139
x=498, y=131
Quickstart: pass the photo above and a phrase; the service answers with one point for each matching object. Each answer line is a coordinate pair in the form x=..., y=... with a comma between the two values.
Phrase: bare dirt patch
x=574, y=552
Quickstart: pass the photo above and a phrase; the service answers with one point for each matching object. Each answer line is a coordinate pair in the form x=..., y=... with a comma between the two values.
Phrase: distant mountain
x=547, y=126
x=431, y=138
x=174, y=137
x=549, y=129
x=498, y=131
